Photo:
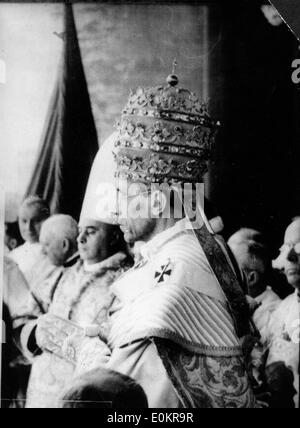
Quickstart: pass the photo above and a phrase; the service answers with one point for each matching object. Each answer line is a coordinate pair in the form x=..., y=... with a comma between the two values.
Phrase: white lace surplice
x=83, y=298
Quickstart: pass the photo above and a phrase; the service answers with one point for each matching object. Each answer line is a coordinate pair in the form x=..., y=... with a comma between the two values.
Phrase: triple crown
x=165, y=135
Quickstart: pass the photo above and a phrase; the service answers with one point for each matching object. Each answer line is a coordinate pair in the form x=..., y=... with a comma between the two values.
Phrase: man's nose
x=26, y=226
x=81, y=238
x=292, y=256
x=31, y=226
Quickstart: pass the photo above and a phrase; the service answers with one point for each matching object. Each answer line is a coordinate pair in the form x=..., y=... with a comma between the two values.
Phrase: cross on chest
x=164, y=271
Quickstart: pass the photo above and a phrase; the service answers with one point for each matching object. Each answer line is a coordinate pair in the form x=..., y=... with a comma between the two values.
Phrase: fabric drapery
x=69, y=141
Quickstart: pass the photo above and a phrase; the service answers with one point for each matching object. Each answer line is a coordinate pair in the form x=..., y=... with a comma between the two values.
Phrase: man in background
x=33, y=212
x=283, y=333
x=252, y=257
x=58, y=239
x=103, y=388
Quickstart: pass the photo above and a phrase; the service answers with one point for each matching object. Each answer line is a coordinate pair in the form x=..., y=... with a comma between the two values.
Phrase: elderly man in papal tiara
x=180, y=316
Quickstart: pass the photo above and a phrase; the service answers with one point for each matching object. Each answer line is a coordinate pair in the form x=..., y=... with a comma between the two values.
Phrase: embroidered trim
x=157, y=169
x=199, y=349
x=237, y=303
x=206, y=382
x=167, y=100
x=113, y=266
x=163, y=132
x=163, y=148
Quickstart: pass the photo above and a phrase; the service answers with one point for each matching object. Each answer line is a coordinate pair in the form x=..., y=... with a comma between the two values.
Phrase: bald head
x=252, y=258
x=59, y=238
x=290, y=253
x=61, y=225
x=292, y=233
x=248, y=247
x=245, y=235
x=104, y=388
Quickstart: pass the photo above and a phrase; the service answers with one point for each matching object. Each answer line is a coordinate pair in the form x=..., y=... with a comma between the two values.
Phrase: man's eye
x=91, y=232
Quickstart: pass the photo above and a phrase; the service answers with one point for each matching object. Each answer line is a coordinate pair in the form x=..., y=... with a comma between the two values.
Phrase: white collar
x=110, y=262
x=151, y=247
x=32, y=244
x=92, y=268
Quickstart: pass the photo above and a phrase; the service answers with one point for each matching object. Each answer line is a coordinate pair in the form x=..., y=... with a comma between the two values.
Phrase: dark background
x=255, y=178
x=290, y=11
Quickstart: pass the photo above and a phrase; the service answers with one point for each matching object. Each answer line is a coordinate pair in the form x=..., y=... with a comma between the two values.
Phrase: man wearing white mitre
x=180, y=313
x=71, y=338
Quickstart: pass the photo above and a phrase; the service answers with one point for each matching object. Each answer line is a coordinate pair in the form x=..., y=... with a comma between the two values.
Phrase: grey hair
x=63, y=226
x=245, y=235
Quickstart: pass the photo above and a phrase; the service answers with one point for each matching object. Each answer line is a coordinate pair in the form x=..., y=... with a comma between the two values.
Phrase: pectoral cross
x=165, y=271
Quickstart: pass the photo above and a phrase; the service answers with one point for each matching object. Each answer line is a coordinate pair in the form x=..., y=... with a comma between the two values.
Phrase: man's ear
x=66, y=245
x=158, y=202
x=252, y=278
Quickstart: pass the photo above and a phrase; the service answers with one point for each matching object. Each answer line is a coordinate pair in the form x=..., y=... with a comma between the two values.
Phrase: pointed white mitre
x=100, y=202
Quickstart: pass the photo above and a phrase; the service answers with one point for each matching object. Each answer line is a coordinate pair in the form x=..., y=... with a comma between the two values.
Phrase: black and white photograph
x=149, y=206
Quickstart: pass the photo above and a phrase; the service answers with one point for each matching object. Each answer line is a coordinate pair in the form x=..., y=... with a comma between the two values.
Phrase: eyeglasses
x=124, y=202
x=122, y=195
x=288, y=247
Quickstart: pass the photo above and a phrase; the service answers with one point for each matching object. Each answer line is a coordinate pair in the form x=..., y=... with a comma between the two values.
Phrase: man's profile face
x=253, y=267
x=93, y=241
x=291, y=254
x=135, y=218
x=53, y=247
x=31, y=219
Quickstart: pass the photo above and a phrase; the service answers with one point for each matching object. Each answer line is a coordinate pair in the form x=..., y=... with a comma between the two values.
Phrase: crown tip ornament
x=172, y=79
